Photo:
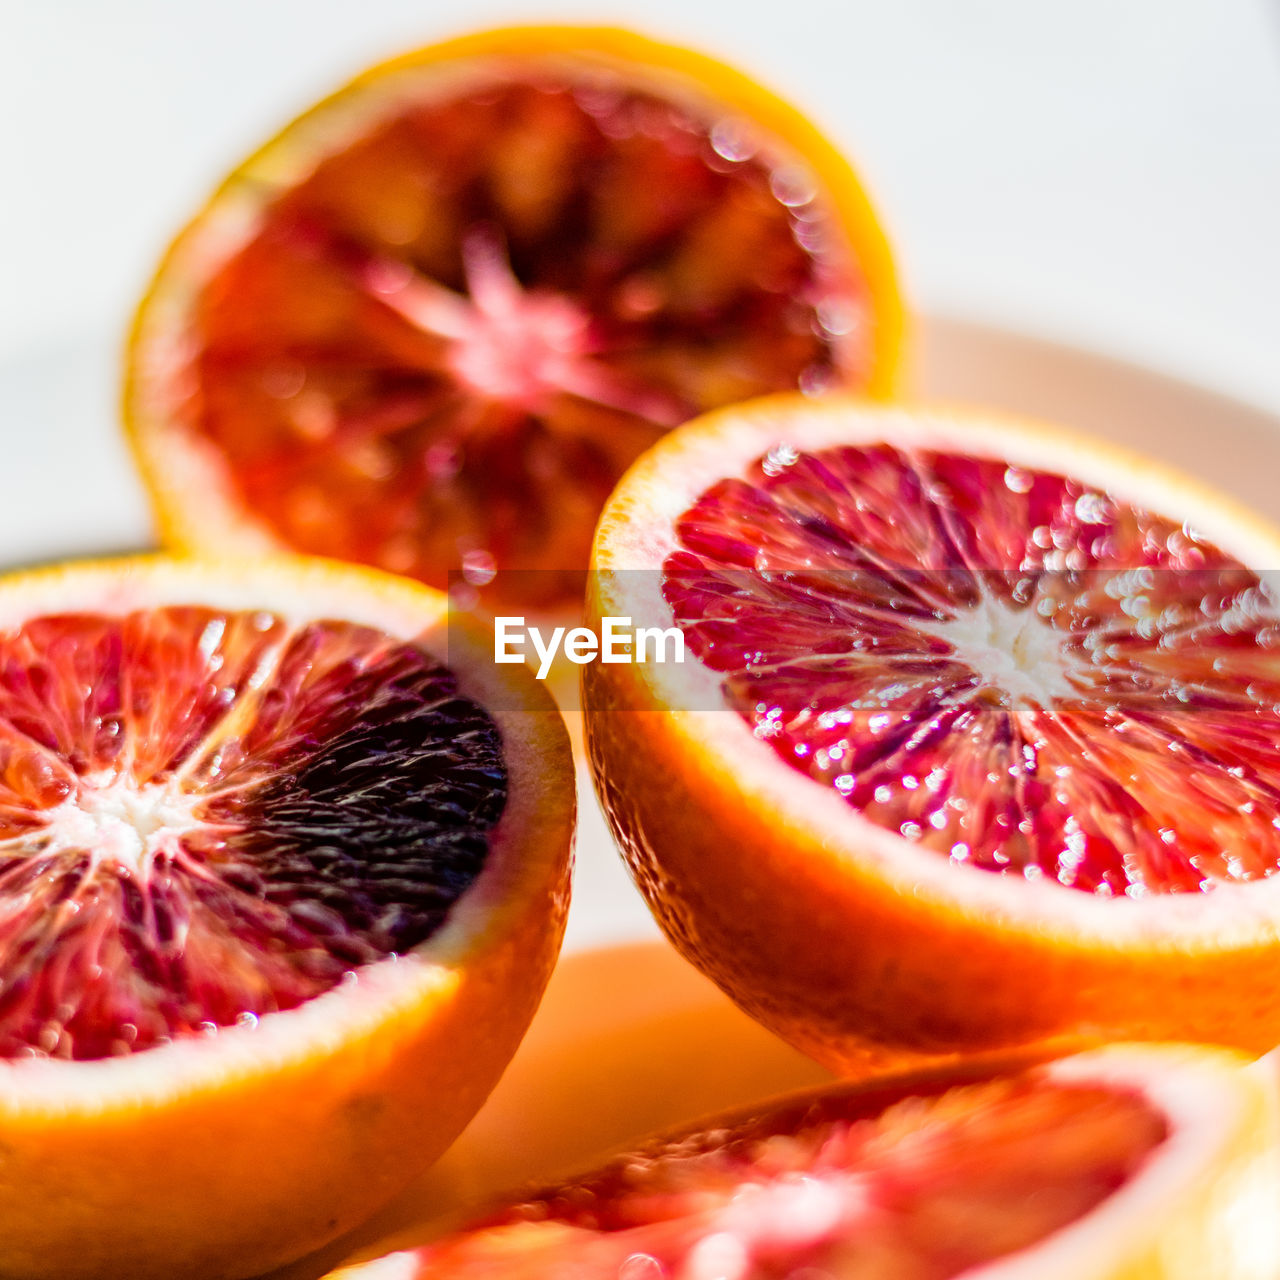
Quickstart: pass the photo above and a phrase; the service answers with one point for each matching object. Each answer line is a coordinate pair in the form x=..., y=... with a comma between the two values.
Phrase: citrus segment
x=324, y=808
x=1000, y=663
x=430, y=324
x=975, y=726
x=1084, y=1167
x=283, y=871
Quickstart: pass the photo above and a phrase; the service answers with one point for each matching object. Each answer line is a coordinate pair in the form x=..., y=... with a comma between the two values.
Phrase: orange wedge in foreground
x=285, y=870
x=1125, y=1164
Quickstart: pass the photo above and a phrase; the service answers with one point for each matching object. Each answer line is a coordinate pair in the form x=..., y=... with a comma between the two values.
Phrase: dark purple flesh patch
x=206, y=816
x=1003, y=665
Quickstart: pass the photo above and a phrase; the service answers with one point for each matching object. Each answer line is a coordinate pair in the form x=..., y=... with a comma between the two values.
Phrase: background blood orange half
x=283, y=872
x=1151, y=1163
x=429, y=325
x=975, y=743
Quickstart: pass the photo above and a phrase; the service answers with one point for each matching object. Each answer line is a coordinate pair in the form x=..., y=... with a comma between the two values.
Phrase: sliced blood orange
x=284, y=873
x=975, y=739
x=1151, y=1163
x=429, y=325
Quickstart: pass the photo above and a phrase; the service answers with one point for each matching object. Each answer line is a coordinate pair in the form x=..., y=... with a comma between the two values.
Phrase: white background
x=1104, y=171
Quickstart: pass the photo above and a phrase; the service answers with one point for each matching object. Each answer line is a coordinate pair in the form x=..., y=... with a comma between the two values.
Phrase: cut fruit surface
x=283, y=872
x=429, y=325
x=248, y=810
x=1139, y=1163
x=977, y=723
x=1002, y=664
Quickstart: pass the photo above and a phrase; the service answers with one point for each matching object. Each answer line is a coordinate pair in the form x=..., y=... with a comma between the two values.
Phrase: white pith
x=1219, y=1148
x=122, y=825
x=1012, y=650
x=504, y=343
x=637, y=533
x=296, y=589
x=513, y=346
x=402, y=1265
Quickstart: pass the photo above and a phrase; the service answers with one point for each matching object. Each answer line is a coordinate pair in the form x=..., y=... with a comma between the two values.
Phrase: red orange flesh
x=429, y=325
x=972, y=1173
x=972, y=744
x=1003, y=664
x=286, y=858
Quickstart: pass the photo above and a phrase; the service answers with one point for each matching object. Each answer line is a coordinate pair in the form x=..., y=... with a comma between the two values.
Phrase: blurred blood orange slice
x=1151, y=1162
x=429, y=325
x=283, y=875
x=975, y=739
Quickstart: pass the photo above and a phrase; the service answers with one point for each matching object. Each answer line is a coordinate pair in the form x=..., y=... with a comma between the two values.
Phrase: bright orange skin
x=854, y=975
x=294, y=1157
x=240, y=1170
x=794, y=924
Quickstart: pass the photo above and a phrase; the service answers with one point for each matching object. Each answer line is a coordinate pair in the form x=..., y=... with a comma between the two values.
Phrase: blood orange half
x=429, y=325
x=1139, y=1163
x=975, y=742
x=284, y=871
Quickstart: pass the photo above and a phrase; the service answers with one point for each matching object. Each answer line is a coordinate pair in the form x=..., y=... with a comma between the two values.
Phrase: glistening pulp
x=1006, y=665
x=208, y=815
